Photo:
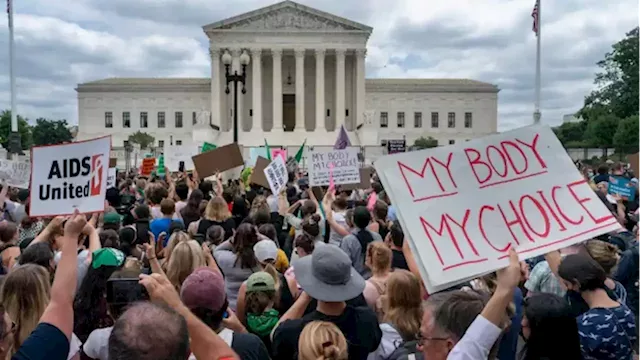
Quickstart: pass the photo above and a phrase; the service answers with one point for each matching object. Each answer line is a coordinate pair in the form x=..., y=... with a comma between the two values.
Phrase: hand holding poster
x=344, y=162
x=15, y=173
x=464, y=206
x=276, y=174
x=69, y=177
x=175, y=154
x=622, y=186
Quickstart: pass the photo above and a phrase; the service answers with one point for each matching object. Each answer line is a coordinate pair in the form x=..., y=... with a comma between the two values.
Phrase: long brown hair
x=403, y=303
x=243, y=242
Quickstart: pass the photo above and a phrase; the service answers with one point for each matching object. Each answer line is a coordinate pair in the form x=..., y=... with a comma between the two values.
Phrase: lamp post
x=127, y=155
x=235, y=78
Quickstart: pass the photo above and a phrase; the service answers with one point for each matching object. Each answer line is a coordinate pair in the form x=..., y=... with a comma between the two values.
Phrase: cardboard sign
x=113, y=162
x=15, y=173
x=258, y=176
x=147, y=167
x=622, y=186
x=68, y=177
x=276, y=173
x=111, y=177
x=175, y=154
x=221, y=159
x=464, y=206
x=345, y=166
x=279, y=152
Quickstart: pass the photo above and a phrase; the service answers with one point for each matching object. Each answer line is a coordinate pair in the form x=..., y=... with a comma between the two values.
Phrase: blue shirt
x=607, y=333
x=160, y=225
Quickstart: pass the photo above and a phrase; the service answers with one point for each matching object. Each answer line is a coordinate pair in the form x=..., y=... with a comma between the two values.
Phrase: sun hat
x=112, y=218
x=260, y=281
x=265, y=250
x=107, y=257
x=203, y=288
x=327, y=274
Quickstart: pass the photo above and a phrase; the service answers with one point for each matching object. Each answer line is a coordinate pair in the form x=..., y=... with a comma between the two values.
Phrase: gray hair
x=454, y=311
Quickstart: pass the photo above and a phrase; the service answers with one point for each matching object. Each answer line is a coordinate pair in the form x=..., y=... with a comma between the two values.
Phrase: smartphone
x=125, y=291
x=181, y=166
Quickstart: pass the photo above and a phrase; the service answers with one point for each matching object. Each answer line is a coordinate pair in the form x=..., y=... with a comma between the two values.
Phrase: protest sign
x=68, y=177
x=345, y=166
x=396, y=146
x=622, y=186
x=111, y=177
x=257, y=175
x=147, y=167
x=221, y=159
x=276, y=173
x=279, y=152
x=292, y=164
x=208, y=147
x=174, y=154
x=464, y=206
x=15, y=173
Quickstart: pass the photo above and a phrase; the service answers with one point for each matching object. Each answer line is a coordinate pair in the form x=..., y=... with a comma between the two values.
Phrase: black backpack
x=407, y=350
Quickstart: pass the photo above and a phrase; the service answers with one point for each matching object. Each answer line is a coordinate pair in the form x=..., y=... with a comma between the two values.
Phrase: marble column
x=300, y=123
x=360, y=86
x=277, y=89
x=340, y=90
x=236, y=68
x=216, y=79
x=320, y=107
x=256, y=87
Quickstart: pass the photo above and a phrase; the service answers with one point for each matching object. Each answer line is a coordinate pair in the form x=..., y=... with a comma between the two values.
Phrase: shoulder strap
x=378, y=287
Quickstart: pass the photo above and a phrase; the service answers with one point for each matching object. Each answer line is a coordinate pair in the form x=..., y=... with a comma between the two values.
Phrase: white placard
x=69, y=176
x=15, y=173
x=173, y=155
x=345, y=166
x=111, y=177
x=464, y=206
x=276, y=174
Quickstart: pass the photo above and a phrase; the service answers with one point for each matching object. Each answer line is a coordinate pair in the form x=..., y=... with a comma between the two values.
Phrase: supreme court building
x=305, y=78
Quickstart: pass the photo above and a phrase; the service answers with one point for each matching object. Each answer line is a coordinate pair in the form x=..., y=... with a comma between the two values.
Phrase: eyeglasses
x=421, y=339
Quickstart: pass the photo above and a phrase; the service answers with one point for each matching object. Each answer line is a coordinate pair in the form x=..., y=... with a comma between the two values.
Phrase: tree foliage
x=626, y=136
x=50, y=132
x=5, y=130
x=142, y=139
x=425, y=143
x=600, y=131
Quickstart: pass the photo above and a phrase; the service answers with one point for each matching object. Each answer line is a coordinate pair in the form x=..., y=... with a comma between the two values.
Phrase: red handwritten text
x=440, y=172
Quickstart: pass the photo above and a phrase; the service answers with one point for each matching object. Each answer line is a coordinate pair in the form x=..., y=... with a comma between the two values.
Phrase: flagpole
x=536, y=112
x=12, y=80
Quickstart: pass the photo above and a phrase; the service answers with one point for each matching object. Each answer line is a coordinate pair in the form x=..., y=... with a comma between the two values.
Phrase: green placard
x=161, y=165
x=208, y=147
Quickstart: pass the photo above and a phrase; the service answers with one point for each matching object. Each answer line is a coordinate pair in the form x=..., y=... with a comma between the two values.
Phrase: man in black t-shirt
x=395, y=242
x=327, y=276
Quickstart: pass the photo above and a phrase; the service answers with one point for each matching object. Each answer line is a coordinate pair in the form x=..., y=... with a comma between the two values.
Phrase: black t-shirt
x=249, y=347
x=228, y=226
x=358, y=324
x=628, y=274
x=398, y=260
x=46, y=342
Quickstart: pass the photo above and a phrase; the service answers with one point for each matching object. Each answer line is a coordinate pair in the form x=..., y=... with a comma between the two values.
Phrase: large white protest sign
x=276, y=174
x=15, y=173
x=69, y=177
x=111, y=177
x=175, y=154
x=345, y=166
x=464, y=206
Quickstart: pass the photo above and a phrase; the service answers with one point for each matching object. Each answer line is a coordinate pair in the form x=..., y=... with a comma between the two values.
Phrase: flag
x=536, y=17
x=342, y=142
x=207, y=147
x=298, y=156
x=266, y=145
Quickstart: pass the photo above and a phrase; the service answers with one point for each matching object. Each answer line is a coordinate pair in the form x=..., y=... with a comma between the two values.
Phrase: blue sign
x=622, y=186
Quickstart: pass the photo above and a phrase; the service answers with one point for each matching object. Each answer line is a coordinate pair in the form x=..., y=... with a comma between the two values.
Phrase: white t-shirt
x=97, y=344
x=74, y=346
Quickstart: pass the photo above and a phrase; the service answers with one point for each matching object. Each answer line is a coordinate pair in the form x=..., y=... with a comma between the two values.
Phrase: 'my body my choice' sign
x=465, y=206
x=345, y=167
x=68, y=177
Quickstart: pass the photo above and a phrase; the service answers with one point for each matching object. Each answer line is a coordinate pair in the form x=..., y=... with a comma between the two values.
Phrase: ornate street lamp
x=235, y=78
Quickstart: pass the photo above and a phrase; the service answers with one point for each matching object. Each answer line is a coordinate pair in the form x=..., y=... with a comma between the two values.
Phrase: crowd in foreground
x=179, y=268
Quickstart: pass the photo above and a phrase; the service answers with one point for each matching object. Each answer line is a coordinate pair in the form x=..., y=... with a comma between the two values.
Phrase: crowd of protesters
x=185, y=268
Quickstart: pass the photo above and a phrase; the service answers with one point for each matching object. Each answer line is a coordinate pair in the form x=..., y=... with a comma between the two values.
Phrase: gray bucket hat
x=327, y=275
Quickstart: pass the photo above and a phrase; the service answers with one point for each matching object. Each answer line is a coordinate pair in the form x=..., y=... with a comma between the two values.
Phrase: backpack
x=407, y=350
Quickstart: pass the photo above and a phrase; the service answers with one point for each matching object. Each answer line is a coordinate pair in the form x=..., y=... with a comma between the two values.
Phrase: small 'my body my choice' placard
x=69, y=177
x=345, y=167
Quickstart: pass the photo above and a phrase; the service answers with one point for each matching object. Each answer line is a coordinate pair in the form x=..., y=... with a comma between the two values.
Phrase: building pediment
x=287, y=15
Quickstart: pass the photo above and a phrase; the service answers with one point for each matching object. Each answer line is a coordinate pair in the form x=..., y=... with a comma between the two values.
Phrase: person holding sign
x=355, y=244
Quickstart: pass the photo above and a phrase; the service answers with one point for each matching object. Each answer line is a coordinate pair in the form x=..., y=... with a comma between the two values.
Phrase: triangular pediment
x=287, y=15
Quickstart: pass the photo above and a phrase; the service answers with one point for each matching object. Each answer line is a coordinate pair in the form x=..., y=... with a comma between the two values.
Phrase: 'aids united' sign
x=68, y=177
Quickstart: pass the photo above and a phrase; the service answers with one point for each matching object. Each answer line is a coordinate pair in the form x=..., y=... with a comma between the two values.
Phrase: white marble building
x=305, y=78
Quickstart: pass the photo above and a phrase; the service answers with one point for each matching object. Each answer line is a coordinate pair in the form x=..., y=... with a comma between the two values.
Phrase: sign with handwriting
x=346, y=169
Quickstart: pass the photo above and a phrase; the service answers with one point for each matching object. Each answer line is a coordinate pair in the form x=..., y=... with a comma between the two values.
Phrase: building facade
x=305, y=78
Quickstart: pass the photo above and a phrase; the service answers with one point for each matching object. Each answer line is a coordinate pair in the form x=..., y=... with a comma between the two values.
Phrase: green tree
x=625, y=139
x=5, y=130
x=50, y=132
x=617, y=83
x=425, y=143
x=600, y=131
x=142, y=139
x=571, y=133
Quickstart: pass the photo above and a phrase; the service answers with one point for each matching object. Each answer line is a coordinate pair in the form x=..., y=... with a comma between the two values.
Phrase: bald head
x=149, y=332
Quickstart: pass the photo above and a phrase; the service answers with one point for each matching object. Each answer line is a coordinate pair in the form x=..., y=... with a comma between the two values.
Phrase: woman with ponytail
x=322, y=340
x=356, y=243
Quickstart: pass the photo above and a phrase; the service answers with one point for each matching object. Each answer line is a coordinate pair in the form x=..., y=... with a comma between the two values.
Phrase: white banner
x=111, y=177
x=276, y=174
x=69, y=176
x=345, y=166
x=464, y=206
x=15, y=173
x=173, y=155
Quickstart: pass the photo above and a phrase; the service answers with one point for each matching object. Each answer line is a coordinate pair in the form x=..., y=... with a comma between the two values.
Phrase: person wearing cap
x=327, y=276
x=260, y=299
x=203, y=292
x=111, y=220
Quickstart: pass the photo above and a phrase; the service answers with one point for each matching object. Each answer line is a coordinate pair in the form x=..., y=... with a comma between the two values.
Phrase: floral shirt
x=607, y=333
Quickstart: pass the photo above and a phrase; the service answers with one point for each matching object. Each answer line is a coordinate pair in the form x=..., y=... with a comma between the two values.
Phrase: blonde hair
x=174, y=239
x=378, y=257
x=25, y=294
x=259, y=203
x=185, y=258
x=603, y=253
x=403, y=303
x=217, y=209
x=322, y=340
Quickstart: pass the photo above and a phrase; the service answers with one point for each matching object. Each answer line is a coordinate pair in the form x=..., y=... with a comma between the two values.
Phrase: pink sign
x=279, y=152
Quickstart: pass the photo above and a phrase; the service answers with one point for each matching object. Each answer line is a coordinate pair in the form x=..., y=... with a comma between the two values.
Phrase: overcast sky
x=61, y=43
